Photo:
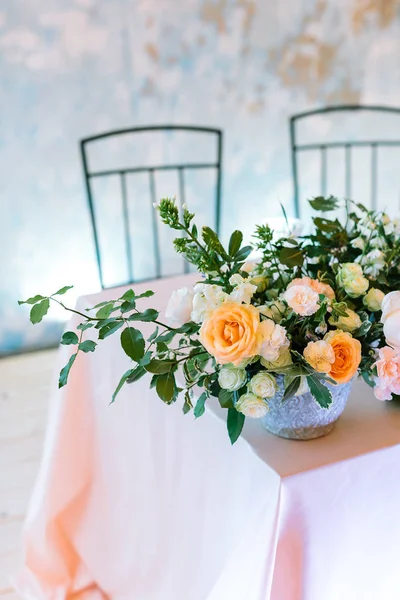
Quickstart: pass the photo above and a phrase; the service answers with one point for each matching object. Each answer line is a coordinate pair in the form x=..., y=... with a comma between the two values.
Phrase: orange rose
x=314, y=284
x=231, y=334
x=347, y=355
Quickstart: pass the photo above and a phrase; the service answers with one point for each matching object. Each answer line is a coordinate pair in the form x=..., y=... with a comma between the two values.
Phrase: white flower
x=243, y=293
x=263, y=384
x=378, y=242
x=274, y=339
x=373, y=262
x=249, y=266
x=358, y=243
x=252, y=406
x=230, y=378
x=236, y=279
x=391, y=318
x=206, y=299
x=373, y=300
x=302, y=299
x=179, y=307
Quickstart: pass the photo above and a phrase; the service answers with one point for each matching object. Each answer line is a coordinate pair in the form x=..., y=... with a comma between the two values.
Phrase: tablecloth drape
x=136, y=501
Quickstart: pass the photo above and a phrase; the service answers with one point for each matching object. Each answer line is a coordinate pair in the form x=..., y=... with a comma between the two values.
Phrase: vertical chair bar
x=126, y=225
x=219, y=185
x=91, y=211
x=294, y=168
x=348, y=174
x=323, y=170
x=154, y=223
x=374, y=160
x=182, y=201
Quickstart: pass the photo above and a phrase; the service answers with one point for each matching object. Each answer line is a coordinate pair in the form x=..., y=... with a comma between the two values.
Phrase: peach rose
x=320, y=356
x=314, y=284
x=302, y=299
x=232, y=333
x=347, y=355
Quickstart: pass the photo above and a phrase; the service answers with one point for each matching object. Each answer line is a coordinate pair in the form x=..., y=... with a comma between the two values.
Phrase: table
x=136, y=501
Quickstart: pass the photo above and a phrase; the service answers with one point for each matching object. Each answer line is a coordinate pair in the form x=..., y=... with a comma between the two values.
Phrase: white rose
x=391, y=318
x=263, y=384
x=252, y=406
x=284, y=359
x=179, y=307
x=373, y=300
x=349, y=323
x=230, y=378
x=243, y=293
x=274, y=339
x=302, y=299
x=350, y=278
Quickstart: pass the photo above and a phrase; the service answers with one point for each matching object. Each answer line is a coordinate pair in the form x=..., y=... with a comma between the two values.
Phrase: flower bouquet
x=290, y=328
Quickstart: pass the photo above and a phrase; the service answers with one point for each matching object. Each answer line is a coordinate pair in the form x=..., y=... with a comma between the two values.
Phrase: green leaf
x=84, y=326
x=145, y=359
x=367, y=378
x=150, y=314
x=136, y=374
x=324, y=204
x=87, y=346
x=187, y=405
x=128, y=306
x=105, y=311
x=32, y=300
x=243, y=253
x=225, y=399
x=128, y=296
x=63, y=290
x=235, y=422
x=153, y=335
x=291, y=257
x=235, y=242
x=212, y=240
x=200, y=405
x=69, y=337
x=122, y=381
x=38, y=311
x=165, y=387
x=65, y=371
x=132, y=343
x=326, y=225
x=146, y=294
x=166, y=337
x=109, y=329
x=291, y=388
x=319, y=391
x=160, y=366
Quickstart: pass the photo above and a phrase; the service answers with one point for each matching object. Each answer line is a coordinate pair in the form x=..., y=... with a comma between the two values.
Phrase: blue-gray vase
x=300, y=417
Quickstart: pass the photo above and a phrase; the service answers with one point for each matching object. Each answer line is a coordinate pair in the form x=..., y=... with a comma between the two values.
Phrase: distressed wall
x=72, y=69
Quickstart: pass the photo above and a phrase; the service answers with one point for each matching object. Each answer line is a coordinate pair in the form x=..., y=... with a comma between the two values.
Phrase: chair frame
x=295, y=147
x=180, y=168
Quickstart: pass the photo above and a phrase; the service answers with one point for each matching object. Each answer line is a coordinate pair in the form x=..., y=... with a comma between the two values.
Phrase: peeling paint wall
x=73, y=69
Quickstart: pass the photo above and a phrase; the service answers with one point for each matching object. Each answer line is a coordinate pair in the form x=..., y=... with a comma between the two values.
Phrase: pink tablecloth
x=136, y=501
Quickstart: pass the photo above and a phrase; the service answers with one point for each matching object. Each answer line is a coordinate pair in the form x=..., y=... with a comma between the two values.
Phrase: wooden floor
x=24, y=393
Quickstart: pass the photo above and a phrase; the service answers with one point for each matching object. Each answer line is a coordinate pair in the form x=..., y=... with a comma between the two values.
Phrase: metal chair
x=180, y=167
x=323, y=147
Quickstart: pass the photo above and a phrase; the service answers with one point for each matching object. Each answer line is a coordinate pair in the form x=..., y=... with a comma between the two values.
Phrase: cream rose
x=391, y=318
x=263, y=384
x=320, y=356
x=284, y=359
x=350, y=277
x=273, y=340
x=230, y=378
x=349, y=323
x=302, y=299
x=179, y=307
x=252, y=406
x=373, y=299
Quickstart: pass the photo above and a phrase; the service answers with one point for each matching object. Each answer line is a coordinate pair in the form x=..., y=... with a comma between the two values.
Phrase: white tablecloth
x=136, y=501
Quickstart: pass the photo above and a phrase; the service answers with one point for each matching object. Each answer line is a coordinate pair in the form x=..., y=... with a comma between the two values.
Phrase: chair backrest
x=343, y=150
x=122, y=176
